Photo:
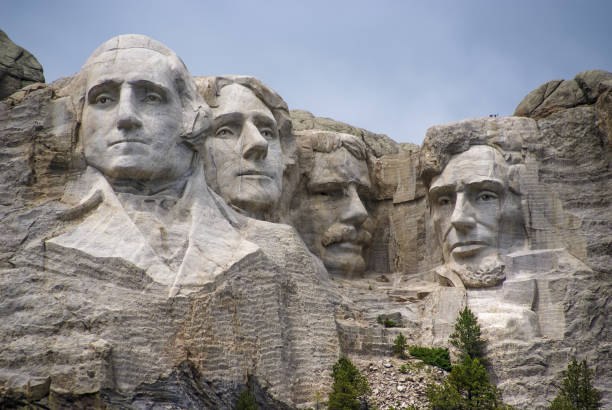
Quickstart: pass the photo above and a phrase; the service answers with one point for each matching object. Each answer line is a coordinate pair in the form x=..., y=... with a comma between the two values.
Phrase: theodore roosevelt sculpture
x=143, y=195
x=250, y=145
x=328, y=210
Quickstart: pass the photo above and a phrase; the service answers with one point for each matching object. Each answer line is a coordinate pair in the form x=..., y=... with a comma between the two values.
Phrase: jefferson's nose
x=354, y=212
x=127, y=115
x=463, y=214
x=254, y=145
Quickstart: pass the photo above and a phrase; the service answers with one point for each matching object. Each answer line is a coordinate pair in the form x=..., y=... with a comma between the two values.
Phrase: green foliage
x=577, y=391
x=246, y=400
x=467, y=387
x=348, y=386
x=436, y=356
x=386, y=322
x=399, y=346
x=403, y=369
x=466, y=336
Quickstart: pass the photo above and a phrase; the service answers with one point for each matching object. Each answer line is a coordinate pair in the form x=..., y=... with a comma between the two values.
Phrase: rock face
x=18, y=68
x=132, y=278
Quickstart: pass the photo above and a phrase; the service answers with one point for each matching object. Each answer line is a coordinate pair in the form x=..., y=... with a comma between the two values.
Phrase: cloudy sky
x=393, y=67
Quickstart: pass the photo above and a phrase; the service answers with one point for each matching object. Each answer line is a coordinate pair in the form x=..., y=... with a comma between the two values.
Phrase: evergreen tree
x=467, y=386
x=399, y=346
x=246, y=400
x=466, y=336
x=348, y=386
x=577, y=392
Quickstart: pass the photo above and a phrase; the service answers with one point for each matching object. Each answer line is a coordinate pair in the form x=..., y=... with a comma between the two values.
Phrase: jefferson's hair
x=210, y=88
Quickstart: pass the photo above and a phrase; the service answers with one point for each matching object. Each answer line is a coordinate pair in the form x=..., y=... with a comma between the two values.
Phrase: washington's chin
x=254, y=200
x=344, y=258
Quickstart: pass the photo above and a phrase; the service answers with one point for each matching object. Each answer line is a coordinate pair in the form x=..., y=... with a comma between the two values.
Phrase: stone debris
x=393, y=388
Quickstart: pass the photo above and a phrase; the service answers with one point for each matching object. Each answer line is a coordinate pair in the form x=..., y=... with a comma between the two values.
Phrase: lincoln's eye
x=443, y=201
x=331, y=193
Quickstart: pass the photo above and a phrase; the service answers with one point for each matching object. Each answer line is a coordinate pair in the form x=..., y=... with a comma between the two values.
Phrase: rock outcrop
x=18, y=68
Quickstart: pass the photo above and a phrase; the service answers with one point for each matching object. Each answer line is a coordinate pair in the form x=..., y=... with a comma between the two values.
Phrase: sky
x=391, y=67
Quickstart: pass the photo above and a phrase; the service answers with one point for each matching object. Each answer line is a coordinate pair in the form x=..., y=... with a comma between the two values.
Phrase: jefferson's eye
x=103, y=99
x=486, y=196
x=266, y=132
x=153, y=98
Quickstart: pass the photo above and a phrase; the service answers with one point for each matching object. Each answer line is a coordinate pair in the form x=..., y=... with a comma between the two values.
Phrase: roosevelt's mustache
x=345, y=233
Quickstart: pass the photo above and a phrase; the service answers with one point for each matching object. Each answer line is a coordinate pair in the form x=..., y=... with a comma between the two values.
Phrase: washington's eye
x=224, y=132
x=486, y=196
x=443, y=201
x=103, y=99
x=153, y=98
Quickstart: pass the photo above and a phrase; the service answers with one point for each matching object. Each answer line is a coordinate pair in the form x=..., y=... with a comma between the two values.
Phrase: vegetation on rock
x=577, y=391
x=467, y=386
x=385, y=321
x=246, y=400
x=399, y=346
x=349, y=385
x=435, y=356
x=466, y=337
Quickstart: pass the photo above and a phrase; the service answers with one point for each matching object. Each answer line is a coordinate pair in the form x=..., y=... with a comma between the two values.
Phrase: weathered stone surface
x=558, y=95
x=18, y=68
x=378, y=144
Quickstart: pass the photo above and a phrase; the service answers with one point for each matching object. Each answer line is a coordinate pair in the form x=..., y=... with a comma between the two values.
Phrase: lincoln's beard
x=489, y=272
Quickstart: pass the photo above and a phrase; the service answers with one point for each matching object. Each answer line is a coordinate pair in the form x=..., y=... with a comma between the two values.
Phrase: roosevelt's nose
x=462, y=218
x=253, y=144
x=127, y=114
x=355, y=212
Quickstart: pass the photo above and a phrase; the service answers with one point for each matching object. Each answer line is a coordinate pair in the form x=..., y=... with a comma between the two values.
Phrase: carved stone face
x=468, y=203
x=132, y=118
x=244, y=159
x=334, y=213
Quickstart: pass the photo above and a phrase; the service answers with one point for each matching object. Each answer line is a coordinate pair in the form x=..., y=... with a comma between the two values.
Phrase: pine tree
x=577, y=391
x=246, y=400
x=467, y=386
x=348, y=386
x=466, y=336
x=399, y=346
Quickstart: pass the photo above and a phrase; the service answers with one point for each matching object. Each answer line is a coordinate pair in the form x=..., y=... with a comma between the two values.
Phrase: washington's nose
x=355, y=212
x=463, y=214
x=254, y=145
x=127, y=116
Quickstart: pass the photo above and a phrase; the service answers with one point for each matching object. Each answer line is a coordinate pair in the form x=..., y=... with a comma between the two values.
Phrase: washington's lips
x=127, y=140
x=253, y=173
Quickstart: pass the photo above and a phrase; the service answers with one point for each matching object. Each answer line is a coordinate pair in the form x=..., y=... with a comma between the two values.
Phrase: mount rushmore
x=168, y=239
